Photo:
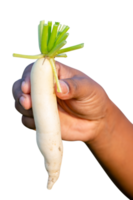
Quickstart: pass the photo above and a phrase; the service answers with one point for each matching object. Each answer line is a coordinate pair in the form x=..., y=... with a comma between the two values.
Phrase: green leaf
x=61, y=34
x=72, y=48
x=44, y=39
x=57, y=48
x=52, y=37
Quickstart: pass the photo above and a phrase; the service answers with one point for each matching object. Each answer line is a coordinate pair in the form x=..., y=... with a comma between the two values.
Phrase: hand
x=17, y=91
x=82, y=105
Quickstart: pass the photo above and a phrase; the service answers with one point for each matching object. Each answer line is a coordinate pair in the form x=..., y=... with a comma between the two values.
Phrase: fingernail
x=23, y=84
x=21, y=100
x=64, y=87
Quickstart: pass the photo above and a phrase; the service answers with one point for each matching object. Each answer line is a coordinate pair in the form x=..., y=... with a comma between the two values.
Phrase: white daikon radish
x=46, y=117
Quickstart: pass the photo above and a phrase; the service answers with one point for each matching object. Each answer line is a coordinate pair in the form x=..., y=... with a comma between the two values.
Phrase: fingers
x=25, y=101
x=20, y=109
x=26, y=85
x=28, y=122
x=16, y=93
x=16, y=90
x=21, y=93
x=21, y=89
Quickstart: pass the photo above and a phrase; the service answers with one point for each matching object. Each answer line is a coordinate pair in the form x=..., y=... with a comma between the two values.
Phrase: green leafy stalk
x=59, y=27
x=41, y=23
x=53, y=52
x=57, y=23
x=52, y=37
x=40, y=28
x=79, y=46
x=55, y=74
x=61, y=55
x=62, y=28
x=44, y=39
x=61, y=34
x=50, y=23
x=50, y=43
x=66, y=36
x=26, y=56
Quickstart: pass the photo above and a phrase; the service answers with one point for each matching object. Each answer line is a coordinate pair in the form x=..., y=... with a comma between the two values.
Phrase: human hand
x=17, y=91
x=82, y=105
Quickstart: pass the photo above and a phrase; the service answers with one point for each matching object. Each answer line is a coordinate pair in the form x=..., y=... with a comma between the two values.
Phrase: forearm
x=113, y=148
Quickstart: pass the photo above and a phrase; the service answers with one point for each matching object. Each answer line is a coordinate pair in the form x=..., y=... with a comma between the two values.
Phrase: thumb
x=74, y=88
x=64, y=87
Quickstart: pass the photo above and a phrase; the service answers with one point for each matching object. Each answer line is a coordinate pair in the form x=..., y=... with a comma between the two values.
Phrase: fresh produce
x=44, y=103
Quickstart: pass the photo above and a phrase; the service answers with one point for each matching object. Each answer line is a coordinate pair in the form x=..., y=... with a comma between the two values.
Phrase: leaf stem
x=44, y=39
x=29, y=56
x=79, y=46
x=55, y=74
x=54, y=51
x=52, y=37
x=61, y=55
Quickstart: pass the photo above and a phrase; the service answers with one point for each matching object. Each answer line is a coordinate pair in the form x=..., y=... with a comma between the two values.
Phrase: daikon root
x=44, y=105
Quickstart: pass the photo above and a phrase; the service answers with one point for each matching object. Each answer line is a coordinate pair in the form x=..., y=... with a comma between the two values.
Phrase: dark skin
x=82, y=111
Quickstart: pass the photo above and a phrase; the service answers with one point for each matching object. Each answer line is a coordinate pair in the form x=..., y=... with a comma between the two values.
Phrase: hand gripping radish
x=44, y=104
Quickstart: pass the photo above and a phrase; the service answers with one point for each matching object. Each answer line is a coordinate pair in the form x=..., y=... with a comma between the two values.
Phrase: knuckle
x=16, y=89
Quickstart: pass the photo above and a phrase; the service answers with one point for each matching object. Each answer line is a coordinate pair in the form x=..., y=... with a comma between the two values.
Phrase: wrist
x=113, y=148
x=106, y=128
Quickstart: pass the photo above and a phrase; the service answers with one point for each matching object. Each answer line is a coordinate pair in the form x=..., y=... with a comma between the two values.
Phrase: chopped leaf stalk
x=44, y=39
x=61, y=55
x=72, y=48
x=57, y=22
x=64, y=37
x=40, y=31
x=51, y=40
x=63, y=27
x=29, y=56
x=61, y=34
x=59, y=27
x=49, y=29
x=52, y=37
x=52, y=53
x=52, y=62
